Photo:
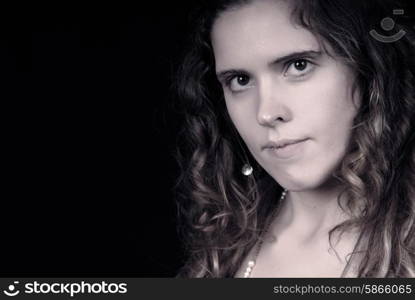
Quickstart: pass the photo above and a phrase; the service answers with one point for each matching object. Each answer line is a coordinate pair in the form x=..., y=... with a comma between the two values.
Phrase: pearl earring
x=247, y=169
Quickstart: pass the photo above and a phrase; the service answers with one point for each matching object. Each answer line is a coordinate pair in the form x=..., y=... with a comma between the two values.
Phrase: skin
x=307, y=96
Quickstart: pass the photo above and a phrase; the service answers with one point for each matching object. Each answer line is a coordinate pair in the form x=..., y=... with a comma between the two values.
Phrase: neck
x=311, y=213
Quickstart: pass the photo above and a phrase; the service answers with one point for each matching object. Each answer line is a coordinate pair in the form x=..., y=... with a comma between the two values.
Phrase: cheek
x=327, y=120
x=241, y=116
x=331, y=107
x=331, y=120
x=331, y=140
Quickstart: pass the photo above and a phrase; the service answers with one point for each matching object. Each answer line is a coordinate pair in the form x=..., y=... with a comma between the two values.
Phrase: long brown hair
x=222, y=213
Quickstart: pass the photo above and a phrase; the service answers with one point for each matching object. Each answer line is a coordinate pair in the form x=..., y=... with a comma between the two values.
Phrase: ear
x=356, y=95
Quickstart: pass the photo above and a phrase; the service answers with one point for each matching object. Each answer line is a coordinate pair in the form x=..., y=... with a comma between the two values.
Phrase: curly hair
x=223, y=213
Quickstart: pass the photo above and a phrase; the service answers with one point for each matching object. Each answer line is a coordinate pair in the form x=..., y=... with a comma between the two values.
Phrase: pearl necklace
x=251, y=263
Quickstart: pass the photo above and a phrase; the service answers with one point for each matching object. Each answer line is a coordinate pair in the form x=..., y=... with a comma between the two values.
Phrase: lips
x=282, y=143
x=284, y=149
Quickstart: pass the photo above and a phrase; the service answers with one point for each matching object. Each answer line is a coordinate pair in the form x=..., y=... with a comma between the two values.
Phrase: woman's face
x=279, y=85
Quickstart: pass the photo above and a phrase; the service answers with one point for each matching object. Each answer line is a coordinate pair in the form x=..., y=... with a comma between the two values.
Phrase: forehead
x=261, y=29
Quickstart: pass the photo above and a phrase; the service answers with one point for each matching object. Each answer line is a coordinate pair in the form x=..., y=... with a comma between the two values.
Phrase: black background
x=88, y=166
x=87, y=161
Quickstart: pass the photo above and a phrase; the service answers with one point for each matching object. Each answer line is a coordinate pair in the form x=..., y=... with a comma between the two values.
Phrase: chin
x=302, y=183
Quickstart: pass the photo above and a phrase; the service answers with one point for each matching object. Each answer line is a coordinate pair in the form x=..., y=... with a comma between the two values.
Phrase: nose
x=271, y=108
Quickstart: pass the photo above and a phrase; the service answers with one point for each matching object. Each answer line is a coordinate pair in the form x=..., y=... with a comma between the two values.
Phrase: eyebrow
x=221, y=75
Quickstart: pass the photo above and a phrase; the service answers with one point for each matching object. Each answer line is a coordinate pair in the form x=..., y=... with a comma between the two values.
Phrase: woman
x=297, y=151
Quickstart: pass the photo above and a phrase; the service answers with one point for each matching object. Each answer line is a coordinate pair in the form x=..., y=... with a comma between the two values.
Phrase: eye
x=299, y=67
x=238, y=83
